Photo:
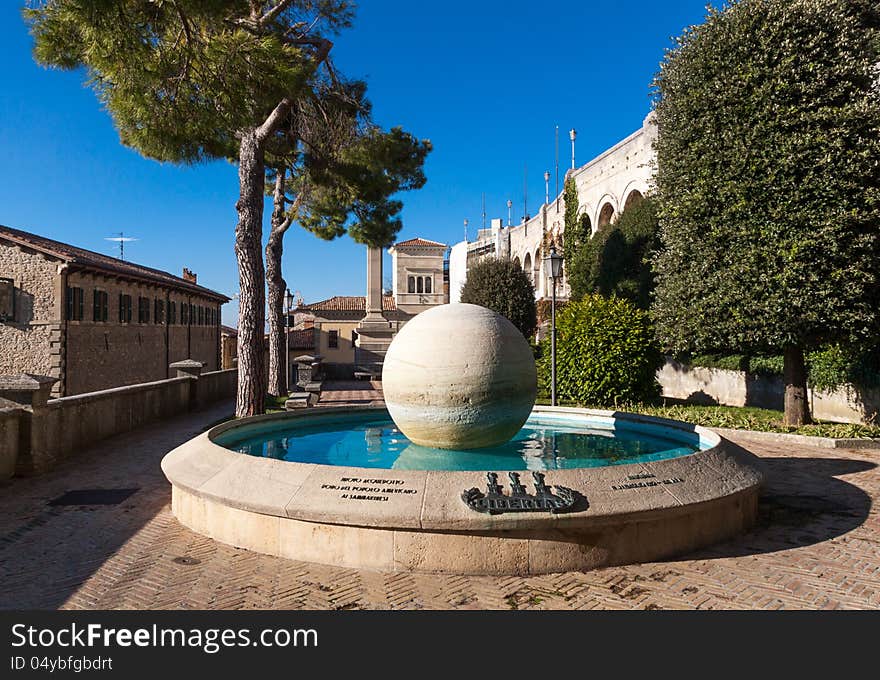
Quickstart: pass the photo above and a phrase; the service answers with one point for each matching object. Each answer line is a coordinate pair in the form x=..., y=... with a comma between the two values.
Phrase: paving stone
x=815, y=545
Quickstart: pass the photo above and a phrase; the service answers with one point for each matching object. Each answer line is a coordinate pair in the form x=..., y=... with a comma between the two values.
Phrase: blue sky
x=486, y=82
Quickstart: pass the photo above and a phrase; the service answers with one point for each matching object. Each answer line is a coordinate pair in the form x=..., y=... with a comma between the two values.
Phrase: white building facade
x=605, y=186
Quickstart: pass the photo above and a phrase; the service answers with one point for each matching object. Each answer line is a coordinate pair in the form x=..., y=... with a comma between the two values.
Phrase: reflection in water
x=379, y=444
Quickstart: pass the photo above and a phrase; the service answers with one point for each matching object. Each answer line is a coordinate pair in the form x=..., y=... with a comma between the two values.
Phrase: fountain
x=460, y=473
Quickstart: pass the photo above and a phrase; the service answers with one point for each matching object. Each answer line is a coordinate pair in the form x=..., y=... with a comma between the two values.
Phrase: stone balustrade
x=37, y=432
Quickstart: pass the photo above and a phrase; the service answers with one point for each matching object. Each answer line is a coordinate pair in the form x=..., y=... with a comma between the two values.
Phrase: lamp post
x=546, y=187
x=509, y=207
x=288, y=298
x=553, y=264
x=572, y=134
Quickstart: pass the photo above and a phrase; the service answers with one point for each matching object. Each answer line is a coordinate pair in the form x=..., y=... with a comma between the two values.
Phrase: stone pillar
x=374, y=331
x=374, y=285
x=189, y=368
x=30, y=393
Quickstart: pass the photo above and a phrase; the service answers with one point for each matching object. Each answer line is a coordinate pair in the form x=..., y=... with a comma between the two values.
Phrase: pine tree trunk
x=250, y=399
x=797, y=411
x=278, y=370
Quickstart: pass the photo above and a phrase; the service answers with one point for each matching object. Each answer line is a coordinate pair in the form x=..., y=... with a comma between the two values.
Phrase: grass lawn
x=742, y=418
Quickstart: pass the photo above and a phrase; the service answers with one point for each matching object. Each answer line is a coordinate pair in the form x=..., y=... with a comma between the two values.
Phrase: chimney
x=189, y=275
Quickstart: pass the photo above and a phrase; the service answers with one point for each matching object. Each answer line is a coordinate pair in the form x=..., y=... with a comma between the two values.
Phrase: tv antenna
x=121, y=240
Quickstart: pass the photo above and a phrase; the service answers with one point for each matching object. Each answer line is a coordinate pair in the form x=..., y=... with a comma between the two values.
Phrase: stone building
x=352, y=332
x=228, y=347
x=336, y=323
x=94, y=321
x=606, y=185
x=418, y=274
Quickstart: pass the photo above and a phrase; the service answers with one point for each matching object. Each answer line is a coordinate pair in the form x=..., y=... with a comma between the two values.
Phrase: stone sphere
x=459, y=376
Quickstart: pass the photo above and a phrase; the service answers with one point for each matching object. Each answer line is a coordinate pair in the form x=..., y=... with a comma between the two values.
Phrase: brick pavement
x=817, y=546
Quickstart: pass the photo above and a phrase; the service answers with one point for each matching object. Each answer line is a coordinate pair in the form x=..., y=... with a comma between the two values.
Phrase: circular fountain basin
x=344, y=487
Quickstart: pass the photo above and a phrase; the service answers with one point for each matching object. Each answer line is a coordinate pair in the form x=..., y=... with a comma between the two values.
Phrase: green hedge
x=829, y=368
x=605, y=353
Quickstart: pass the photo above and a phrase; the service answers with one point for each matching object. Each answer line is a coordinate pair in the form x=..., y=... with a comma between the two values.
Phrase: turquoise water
x=544, y=443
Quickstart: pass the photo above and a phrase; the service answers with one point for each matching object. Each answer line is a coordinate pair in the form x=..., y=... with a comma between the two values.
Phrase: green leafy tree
x=504, y=288
x=194, y=80
x=617, y=259
x=606, y=353
x=769, y=183
x=335, y=171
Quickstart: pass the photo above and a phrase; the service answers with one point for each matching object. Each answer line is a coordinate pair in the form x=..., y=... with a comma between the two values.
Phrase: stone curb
x=786, y=438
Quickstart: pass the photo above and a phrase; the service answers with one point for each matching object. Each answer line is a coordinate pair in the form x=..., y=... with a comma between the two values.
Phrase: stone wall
x=31, y=342
x=9, y=427
x=68, y=425
x=699, y=385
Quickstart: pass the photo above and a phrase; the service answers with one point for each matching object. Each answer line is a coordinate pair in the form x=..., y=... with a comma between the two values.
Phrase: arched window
x=410, y=284
x=420, y=284
x=606, y=214
x=427, y=284
x=527, y=265
x=634, y=198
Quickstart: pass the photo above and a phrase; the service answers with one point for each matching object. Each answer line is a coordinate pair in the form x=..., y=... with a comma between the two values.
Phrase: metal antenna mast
x=121, y=240
x=483, y=197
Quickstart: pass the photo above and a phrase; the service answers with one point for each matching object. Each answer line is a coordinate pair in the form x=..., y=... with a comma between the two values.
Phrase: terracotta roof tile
x=420, y=242
x=88, y=259
x=346, y=303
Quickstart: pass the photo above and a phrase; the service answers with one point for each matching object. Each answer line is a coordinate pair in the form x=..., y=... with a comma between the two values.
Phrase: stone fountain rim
x=202, y=469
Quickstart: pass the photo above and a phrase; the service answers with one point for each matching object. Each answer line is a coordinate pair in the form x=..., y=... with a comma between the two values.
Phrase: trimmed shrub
x=504, y=288
x=617, y=260
x=606, y=353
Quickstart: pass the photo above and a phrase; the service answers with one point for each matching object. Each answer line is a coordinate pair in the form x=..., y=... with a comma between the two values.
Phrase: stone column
x=374, y=285
x=374, y=330
x=30, y=393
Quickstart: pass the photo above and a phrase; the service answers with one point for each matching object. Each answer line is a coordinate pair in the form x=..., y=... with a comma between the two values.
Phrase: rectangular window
x=74, y=303
x=159, y=311
x=124, y=308
x=143, y=310
x=410, y=284
x=100, y=305
x=201, y=315
x=172, y=312
x=184, y=313
x=7, y=299
x=333, y=339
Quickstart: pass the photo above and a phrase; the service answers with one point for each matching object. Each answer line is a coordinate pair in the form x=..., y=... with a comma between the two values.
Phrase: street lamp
x=288, y=298
x=509, y=207
x=553, y=264
x=572, y=134
x=546, y=187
